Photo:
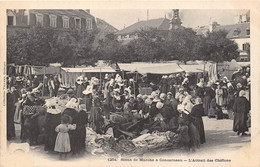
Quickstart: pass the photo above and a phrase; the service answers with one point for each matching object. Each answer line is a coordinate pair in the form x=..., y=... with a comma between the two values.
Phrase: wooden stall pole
x=44, y=73
x=135, y=81
x=100, y=80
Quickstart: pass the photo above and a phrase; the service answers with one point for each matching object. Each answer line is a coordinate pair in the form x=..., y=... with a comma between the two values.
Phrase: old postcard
x=130, y=83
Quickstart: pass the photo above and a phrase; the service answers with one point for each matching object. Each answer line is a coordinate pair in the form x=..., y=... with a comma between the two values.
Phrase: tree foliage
x=41, y=46
x=30, y=47
x=181, y=45
x=216, y=47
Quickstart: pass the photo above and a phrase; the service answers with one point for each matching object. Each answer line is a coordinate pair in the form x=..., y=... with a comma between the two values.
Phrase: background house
x=239, y=32
x=129, y=33
x=59, y=20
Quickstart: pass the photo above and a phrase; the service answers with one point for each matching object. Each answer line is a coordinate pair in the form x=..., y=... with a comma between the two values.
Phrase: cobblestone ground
x=221, y=142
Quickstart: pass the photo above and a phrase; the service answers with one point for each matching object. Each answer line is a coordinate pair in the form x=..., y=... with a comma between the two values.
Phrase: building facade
x=60, y=20
x=238, y=32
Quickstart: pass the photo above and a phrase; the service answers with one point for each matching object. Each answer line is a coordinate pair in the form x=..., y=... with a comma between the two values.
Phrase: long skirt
x=53, y=120
x=173, y=124
x=10, y=124
x=194, y=136
x=240, y=122
x=78, y=141
x=206, y=104
x=30, y=129
x=200, y=126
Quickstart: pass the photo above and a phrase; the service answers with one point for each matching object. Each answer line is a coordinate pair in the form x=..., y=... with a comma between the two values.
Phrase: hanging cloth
x=25, y=70
x=16, y=70
x=20, y=70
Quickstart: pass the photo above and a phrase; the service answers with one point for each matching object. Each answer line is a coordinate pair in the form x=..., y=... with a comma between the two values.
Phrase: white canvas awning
x=193, y=68
x=89, y=70
x=244, y=64
x=152, y=68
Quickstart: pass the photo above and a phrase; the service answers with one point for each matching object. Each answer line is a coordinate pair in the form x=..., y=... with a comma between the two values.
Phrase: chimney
x=88, y=11
x=212, y=26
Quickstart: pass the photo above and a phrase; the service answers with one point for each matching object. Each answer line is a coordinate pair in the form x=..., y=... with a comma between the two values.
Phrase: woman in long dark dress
x=29, y=127
x=96, y=119
x=197, y=113
x=10, y=117
x=209, y=95
x=81, y=119
x=241, y=109
x=71, y=111
x=52, y=120
x=194, y=139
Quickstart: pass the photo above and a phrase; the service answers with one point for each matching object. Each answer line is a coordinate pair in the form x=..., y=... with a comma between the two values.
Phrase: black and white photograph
x=151, y=86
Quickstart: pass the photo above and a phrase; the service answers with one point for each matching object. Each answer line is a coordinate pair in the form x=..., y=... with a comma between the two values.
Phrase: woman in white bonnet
x=52, y=120
x=241, y=109
x=187, y=103
x=81, y=120
x=72, y=111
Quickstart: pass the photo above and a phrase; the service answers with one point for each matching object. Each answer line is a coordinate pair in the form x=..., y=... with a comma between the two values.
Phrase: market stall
x=69, y=75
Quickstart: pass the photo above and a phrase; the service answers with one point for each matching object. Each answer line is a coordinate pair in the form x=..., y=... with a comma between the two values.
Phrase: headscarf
x=52, y=106
x=162, y=96
x=159, y=105
x=187, y=103
x=200, y=84
x=80, y=80
x=242, y=93
x=198, y=101
x=72, y=104
x=156, y=98
x=148, y=101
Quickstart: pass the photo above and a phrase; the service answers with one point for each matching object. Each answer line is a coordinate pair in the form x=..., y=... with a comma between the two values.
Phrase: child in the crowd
x=62, y=144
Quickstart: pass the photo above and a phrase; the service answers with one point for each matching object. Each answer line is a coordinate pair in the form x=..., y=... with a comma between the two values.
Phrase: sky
x=120, y=18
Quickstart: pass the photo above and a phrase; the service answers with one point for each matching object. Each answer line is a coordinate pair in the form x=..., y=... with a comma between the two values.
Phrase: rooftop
x=160, y=24
x=64, y=12
x=241, y=28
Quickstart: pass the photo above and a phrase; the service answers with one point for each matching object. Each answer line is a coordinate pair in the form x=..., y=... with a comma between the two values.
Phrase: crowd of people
x=59, y=122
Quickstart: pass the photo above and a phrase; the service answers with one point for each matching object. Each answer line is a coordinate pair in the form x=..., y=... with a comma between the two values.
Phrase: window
x=77, y=23
x=236, y=32
x=89, y=24
x=39, y=19
x=53, y=21
x=246, y=46
x=10, y=20
x=65, y=22
x=248, y=31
